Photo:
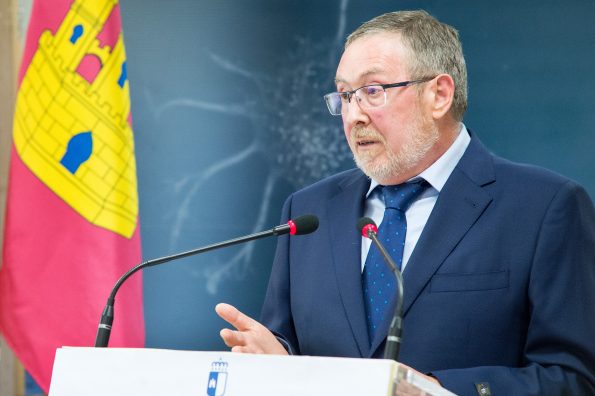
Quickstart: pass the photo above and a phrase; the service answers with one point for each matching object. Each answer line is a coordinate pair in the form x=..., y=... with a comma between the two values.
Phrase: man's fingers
x=237, y=342
x=241, y=349
x=247, y=349
x=232, y=338
x=232, y=315
x=250, y=336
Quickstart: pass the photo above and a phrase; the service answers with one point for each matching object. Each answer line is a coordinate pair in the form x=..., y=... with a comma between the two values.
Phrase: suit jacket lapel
x=345, y=208
x=460, y=203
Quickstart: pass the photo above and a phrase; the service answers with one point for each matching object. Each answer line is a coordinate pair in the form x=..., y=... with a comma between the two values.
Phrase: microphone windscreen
x=305, y=224
x=364, y=221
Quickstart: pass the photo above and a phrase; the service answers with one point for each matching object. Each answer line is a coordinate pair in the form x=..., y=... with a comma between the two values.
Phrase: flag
x=72, y=225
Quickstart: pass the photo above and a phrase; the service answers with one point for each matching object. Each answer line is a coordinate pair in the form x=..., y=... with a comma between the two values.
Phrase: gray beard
x=409, y=155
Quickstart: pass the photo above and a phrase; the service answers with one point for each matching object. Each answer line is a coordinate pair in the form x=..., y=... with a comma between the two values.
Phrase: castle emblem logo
x=217, y=379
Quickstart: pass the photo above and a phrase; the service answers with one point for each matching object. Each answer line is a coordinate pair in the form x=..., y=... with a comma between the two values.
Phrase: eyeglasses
x=368, y=96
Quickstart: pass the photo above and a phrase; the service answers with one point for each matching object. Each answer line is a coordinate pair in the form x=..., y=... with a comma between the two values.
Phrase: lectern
x=148, y=372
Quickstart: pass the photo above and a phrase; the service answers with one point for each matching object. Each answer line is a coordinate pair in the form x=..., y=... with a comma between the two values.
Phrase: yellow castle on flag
x=74, y=134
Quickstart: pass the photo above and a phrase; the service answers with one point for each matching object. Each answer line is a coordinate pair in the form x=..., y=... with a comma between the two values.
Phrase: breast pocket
x=469, y=282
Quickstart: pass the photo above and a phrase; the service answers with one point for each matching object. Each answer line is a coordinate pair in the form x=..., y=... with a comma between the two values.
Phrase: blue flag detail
x=77, y=32
x=78, y=151
x=123, y=75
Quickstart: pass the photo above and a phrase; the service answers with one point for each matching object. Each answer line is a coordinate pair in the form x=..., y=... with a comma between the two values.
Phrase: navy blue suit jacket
x=500, y=287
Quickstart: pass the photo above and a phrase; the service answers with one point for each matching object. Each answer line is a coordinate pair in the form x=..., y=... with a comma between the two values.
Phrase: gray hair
x=435, y=48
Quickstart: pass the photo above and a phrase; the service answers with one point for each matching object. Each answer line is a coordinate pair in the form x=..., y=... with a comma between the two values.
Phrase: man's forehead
x=370, y=72
x=379, y=54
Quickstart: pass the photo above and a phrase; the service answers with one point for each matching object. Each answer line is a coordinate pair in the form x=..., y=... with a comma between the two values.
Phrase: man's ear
x=443, y=90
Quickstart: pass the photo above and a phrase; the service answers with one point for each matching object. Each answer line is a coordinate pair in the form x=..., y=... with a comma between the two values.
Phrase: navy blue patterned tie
x=378, y=282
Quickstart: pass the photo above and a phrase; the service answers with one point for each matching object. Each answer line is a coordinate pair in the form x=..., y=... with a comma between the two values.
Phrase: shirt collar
x=438, y=173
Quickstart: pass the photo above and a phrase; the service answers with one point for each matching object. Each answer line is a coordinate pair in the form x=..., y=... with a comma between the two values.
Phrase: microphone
x=393, y=340
x=301, y=225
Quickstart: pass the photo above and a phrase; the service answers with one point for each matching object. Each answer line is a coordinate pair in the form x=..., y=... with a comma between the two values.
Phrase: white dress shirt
x=418, y=213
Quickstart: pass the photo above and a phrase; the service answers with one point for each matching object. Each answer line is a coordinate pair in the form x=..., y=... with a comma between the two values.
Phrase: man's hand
x=406, y=389
x=250, y=336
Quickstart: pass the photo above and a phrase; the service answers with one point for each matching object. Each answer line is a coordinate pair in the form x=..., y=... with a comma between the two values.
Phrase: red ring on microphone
x=292, y=227
x=369, y=228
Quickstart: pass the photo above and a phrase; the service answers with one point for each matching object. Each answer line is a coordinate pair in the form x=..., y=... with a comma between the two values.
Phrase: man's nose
x=353, y=114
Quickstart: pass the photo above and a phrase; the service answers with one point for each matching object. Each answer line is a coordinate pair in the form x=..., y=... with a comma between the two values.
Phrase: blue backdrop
x=229, y=119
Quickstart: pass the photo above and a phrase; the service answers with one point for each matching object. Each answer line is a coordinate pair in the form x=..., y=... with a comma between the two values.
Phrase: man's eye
x=344, y=96
x=373, y=90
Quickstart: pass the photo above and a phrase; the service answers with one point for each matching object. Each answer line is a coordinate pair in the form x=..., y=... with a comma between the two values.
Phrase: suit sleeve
x=276, y=310
x=559, y=354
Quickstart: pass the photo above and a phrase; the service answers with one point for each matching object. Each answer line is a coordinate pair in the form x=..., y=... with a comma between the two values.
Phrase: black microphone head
x=365, y=224
x=364, y=221
x=303, y=225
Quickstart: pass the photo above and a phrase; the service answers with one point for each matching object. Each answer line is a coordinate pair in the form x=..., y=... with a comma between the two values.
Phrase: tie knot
x=401, y=196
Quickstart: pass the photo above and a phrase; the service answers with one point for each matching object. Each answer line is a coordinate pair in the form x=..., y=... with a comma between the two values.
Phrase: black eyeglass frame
x=384, y=87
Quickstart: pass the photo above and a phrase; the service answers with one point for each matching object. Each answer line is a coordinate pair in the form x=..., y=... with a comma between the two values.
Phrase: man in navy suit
x=498, y=259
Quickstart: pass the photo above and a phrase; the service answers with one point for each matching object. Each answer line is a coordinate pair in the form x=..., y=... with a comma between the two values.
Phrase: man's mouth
x=366, y=142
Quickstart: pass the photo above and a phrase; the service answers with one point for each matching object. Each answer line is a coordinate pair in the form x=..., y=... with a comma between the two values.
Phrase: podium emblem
x=217, y=379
